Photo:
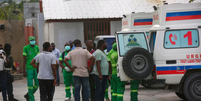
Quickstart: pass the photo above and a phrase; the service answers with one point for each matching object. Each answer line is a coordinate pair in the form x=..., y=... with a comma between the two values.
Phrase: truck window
x=152, y=41
x=129, y=41
x=109, y=42
x=181, y=39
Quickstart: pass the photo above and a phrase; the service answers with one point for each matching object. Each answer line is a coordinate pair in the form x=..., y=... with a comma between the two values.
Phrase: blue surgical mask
x=67, y=48
x=32, y=42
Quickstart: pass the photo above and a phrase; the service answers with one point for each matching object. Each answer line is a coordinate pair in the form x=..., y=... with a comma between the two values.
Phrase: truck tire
x=182, y=96
x=138, y=63
x=192, y=87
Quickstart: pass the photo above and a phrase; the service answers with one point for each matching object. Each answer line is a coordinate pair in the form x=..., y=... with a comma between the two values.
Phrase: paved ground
x=145, y=94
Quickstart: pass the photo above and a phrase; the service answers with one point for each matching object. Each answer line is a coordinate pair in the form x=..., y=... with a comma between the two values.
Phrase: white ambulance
x=133, y=35
x=173, y=53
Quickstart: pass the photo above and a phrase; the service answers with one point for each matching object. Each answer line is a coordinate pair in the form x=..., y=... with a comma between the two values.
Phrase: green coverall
x=68, y=77
x=134, y=90
x=106, y=91
x=30, y=52
x=117, y=84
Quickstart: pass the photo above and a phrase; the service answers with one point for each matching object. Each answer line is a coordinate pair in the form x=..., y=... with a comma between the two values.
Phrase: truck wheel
x=138, y=63
x=182, y=96
x=192, y=87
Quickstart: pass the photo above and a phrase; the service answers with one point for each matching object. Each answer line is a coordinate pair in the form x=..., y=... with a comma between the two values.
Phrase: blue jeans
x=3, y=83
x=101, y=86
x=78, y=82
x=58, y=79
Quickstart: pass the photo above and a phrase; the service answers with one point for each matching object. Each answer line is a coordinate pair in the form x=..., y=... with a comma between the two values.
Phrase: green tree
x=34, y=0
x=191, y=1
x=9, y=13
x=10, y=1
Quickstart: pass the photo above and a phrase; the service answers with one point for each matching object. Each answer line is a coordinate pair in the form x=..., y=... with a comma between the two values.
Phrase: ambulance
x=134, y=31
x=173, y=53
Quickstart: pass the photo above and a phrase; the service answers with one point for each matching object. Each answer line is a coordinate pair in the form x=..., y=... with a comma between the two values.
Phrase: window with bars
x=95, y=28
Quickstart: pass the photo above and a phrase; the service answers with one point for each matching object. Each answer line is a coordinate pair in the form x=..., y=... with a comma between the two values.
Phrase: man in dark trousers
x=46, y=65
x=102, y=72
x=79, y=58
x=8, y=68
x=90, y=46
x=3, y=76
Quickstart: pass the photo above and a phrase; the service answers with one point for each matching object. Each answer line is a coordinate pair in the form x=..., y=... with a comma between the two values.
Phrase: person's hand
x=89, y=69
x=73, y=68
x=67, y=69
x=100, y=77
x=25, y=74
x=55, y=82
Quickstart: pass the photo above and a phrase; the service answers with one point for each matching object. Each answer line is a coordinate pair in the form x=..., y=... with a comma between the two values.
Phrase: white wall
x=62, y=32
x=66, y=31
x=115, y=26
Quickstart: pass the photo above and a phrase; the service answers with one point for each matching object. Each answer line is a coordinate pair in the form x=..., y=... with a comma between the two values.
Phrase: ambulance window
x=152, y=41
x=129, y=41
x=181, y=39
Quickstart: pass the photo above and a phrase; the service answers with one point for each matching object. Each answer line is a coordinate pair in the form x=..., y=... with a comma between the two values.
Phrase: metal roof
x=94, y=9
x=97, y=9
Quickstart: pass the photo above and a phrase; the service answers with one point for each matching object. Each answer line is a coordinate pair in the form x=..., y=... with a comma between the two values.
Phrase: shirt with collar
x=56, y=52
x=79, y=58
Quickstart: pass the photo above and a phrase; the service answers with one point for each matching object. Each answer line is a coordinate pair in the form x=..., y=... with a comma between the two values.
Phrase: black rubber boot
x=26, y=96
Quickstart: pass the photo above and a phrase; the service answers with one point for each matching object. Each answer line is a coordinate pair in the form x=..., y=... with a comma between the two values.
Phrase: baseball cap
x=31, y=38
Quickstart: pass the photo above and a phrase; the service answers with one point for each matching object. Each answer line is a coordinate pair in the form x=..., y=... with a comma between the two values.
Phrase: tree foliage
x=34, y=0
x=191, y=1
x=10, y=13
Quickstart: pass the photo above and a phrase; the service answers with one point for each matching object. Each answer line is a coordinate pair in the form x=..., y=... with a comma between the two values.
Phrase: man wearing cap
x=117, y=85
x=29, y=52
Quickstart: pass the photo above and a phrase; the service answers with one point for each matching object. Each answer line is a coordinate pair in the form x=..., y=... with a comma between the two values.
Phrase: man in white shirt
x=46, y=65
x=56, y=52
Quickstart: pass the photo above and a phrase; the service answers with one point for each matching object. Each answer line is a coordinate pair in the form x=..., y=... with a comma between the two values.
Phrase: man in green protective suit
x=118, y=86
x=67, y=73
x=134, y=90
x=29, y=52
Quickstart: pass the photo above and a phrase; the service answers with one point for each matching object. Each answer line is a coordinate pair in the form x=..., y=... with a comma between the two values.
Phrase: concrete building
x=60, y=21
x=67, y=20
